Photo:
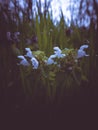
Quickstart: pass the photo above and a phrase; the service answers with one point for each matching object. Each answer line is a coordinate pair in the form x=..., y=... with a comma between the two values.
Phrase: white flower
x=35, y=63
x=23, y=61
x=27, y=49
x=81, y=52
x=58, y=52
x=29, y=53
x=50, y=60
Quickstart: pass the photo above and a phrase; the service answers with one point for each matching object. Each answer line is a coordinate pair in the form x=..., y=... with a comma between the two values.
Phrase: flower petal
x=21, y=57
x=35, y=63
x=57, y=49
x=81, y=53
x=29, y=53
x=23, y=61
x=50, y=61
x=84, y=47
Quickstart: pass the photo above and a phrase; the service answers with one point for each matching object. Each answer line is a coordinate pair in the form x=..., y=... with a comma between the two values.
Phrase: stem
x=22, y=79
x=75, y=78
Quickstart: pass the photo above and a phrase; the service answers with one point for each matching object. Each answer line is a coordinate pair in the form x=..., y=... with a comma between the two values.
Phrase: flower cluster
x=57, y=54
x=48, y=73
x=55, y=58
x=33, y=60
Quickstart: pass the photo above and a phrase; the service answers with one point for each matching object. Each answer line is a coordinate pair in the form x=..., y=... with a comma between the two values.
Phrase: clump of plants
x=49, y=78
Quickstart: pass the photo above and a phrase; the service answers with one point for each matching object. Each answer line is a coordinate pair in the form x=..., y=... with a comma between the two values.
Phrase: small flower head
x=50, y=60
x=81, y=52
x=35, y=63
x=23, y=61
x=29, y=53
x=58, y=52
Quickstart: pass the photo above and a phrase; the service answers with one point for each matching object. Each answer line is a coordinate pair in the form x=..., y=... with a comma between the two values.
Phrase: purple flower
x=16, y=35
x=9, y=36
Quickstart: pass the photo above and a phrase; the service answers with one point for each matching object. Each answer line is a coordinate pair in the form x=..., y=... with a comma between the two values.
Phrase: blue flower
x=35, y=63
x=50, y=60
x=58, y=52
x=29, y=53
x=23, y=61
x=81, y=52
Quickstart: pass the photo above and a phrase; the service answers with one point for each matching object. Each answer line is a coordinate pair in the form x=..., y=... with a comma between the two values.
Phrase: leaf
x=40, y=55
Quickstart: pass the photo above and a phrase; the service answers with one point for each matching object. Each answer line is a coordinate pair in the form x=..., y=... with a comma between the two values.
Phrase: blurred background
x=42, y=24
